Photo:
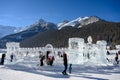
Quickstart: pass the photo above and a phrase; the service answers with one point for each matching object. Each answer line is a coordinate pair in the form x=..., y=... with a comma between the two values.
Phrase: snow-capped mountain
x=43, y=32
x=42, y=25
x=6, y=30
x=29, y=31
x=79, y=21
x=99, y=30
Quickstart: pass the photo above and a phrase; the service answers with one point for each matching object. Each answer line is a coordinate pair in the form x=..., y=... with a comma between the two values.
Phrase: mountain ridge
x=26, y=33
x=101, y=30
x=43, y=32
x=81, y=21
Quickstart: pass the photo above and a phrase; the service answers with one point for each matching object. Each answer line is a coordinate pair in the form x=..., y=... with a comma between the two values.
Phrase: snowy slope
x=79, y=21
x=28, y=69
x=42, y=25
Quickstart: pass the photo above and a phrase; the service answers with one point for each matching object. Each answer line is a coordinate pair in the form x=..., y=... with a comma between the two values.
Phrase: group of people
x=116, y=57
x=48, y=57
x=50, y=60
x=3, y=58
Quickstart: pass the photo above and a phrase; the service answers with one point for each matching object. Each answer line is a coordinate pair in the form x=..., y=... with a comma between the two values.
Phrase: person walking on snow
x=11, y=58
x=2, y=59
x=41, y=57
x=116, y=58
x=65, y=62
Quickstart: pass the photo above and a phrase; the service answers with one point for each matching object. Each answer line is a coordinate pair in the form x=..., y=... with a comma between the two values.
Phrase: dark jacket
x=65, y=59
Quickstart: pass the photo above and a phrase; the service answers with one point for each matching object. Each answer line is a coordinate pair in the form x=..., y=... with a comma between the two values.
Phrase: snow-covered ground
x=28, y=69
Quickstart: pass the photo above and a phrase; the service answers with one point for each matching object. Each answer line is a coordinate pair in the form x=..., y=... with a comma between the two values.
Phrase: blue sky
x=21, y=13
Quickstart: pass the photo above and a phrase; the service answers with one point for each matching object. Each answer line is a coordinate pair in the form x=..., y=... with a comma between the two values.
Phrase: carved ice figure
x=49, y=50
x=89, y=39
x=13, y=48
x=101, y=52
x=87, y=53
x=75, y=50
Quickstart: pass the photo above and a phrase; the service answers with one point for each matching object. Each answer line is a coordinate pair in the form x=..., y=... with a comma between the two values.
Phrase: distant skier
x=2, y=59
x=65, y=62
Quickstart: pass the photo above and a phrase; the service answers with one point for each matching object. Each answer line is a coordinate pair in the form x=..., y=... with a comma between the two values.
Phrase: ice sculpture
x=49, y=47
x=49, y=50
x=12, y=53
x=86, y=53
x=75, y=50
x=89, y=51
x=101, y=52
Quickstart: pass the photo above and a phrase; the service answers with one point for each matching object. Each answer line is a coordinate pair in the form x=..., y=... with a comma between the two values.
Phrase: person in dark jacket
x=51, y=60
x=41, y=60
x=2, y=59
x=65, y=62
x=108, y=53
x=11, y=57
x=116, y=58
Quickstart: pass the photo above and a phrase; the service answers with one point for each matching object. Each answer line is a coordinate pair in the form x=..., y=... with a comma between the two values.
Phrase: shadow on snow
x=55, y=71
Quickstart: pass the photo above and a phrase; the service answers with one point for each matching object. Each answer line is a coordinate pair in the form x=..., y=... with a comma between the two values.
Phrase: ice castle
x=78, y=51
x=87, y=53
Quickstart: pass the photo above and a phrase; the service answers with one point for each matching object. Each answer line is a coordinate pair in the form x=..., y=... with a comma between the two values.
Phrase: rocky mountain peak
x=80, y=21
